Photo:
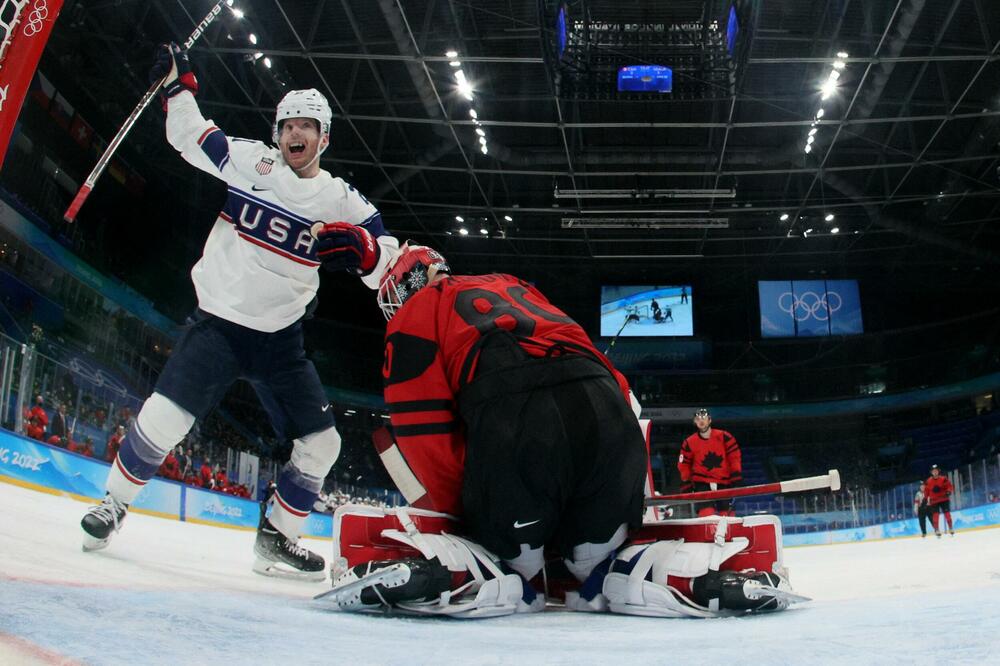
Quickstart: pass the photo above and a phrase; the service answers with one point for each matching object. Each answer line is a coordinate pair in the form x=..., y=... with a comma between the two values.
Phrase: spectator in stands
x=169, y=468
x=36, y=420
x=183, y=462
x=710, y=460
x=205, y=478
x=220, y=478
x=993, y=498
x=88, y=447
x=114, y=443
x=58, y=427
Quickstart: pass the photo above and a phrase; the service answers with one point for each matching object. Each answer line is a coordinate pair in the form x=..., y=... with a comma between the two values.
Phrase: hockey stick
x=628, y=320
x=829, y=480
x=88, y=185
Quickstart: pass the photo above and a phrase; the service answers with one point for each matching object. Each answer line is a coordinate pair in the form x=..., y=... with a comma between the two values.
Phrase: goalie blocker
x=410, y=560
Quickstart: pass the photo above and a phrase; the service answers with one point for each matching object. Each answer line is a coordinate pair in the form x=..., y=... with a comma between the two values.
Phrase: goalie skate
x=347, y=589
x=760, y=590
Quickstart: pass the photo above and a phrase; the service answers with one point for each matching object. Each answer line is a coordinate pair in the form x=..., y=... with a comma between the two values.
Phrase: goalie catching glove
x=173, y=67
x=342, y=246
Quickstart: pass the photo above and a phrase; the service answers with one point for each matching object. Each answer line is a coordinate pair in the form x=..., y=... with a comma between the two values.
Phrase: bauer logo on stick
x=201, y=26
x=264, y=166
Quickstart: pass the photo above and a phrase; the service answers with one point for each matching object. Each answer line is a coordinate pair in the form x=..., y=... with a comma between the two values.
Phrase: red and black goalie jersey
x=430, y=354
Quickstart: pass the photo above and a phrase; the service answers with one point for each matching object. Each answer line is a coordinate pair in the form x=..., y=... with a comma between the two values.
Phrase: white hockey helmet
x=308, y=103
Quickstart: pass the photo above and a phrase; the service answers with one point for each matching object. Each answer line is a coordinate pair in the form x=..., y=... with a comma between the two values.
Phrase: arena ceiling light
x=508, y=218
x=784, y=216
x=676, y=193
x=827, y=90
x=645, y=223
x=465, y=89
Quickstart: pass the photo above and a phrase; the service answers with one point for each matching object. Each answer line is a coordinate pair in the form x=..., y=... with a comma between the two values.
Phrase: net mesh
x=12, y=13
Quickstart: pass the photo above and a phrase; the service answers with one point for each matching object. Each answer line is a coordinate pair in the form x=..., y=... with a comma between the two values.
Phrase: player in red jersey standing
x=710, y=459
x=939, y=491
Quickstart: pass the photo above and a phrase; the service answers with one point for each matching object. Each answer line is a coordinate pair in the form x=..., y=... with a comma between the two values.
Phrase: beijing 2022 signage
x=808, y=308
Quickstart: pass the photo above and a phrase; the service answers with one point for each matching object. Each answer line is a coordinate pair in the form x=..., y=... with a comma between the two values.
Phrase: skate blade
x=91, y=544
x=348, y=595
x=278, y=570
x=759, y=591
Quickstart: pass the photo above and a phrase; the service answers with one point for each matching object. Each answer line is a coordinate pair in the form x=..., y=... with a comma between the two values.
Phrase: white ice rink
x=167, y=592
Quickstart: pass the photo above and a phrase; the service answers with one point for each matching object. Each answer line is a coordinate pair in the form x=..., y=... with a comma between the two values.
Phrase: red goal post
x=25, y=26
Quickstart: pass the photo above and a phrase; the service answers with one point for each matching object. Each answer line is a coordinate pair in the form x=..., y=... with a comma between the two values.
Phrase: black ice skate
x=101, y=522
x=382, y=584
x=281, y=557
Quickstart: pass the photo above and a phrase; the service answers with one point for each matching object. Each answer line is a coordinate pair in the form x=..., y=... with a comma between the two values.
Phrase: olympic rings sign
x=810, y=305
x=35, y=18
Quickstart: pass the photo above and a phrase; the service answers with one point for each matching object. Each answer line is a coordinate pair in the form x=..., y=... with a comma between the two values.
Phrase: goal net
x=25, y=26
x=11, y=15
x=642, y=311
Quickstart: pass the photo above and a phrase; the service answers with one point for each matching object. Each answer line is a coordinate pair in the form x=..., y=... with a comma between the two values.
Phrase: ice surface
x=166, y=592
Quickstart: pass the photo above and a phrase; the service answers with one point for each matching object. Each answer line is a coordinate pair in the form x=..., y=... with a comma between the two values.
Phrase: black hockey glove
x=173, y=67
x=343, y=246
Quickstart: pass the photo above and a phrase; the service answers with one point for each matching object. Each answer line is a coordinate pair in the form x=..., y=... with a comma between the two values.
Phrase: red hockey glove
x=342, y=246
x=173, y=67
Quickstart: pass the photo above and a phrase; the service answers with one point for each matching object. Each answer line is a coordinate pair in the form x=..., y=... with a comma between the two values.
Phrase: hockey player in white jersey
x=255, y=282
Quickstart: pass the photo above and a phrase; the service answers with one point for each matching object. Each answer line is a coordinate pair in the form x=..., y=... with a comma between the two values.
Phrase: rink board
x=976, y=517
x=33, y=464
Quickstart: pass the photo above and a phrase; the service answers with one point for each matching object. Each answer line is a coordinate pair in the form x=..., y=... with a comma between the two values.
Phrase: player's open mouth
x=296, y=148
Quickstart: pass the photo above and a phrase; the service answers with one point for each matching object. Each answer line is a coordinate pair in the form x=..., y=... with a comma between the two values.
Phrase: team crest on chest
x=264, y=166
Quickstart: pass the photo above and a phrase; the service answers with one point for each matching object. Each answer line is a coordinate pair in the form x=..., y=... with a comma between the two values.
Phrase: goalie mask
x=412, y=270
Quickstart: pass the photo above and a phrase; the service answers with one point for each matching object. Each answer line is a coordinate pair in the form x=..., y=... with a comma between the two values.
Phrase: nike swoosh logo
x=326, y=408
x=518, y=525
x=259, y=189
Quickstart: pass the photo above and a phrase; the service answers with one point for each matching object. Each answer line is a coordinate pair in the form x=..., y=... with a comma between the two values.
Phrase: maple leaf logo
x=711, y=460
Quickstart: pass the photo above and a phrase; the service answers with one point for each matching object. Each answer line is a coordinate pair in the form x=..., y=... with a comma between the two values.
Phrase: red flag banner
x=81, y=131
x=25, y=26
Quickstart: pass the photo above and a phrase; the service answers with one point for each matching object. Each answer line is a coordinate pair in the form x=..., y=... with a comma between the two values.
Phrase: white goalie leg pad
x=529, y=562
x=489, y=593
x=629, y=592
x=588, y=555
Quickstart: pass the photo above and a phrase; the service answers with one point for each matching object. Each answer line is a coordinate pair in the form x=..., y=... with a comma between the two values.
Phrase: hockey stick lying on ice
x=88, y=185
x=829, y=480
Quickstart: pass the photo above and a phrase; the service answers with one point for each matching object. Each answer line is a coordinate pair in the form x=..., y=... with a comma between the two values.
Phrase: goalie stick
x=88, y=184
x=829, y=480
